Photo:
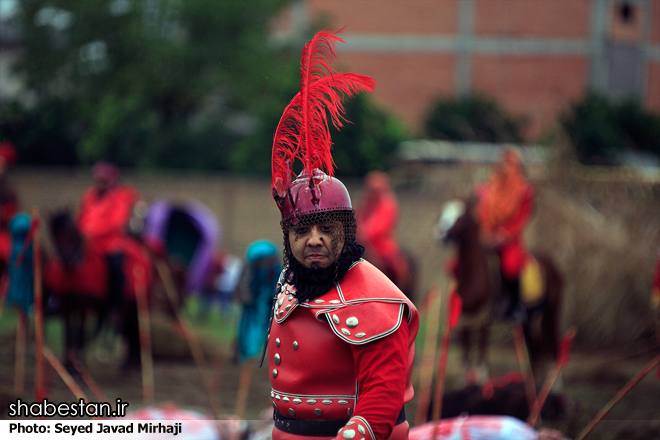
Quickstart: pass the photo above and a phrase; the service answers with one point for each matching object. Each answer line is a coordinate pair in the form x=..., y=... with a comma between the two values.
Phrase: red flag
x=565, y=348
x=455, y=308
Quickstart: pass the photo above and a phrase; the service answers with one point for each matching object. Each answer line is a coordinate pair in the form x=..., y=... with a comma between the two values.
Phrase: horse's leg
x=68, y=331
x=534, y=352
x=482, y=365
x=80, y=352
x=466, y=340
x=550, y=331
x=130, y=332
x=71, y=319
x=470, y=373
x=550, y=324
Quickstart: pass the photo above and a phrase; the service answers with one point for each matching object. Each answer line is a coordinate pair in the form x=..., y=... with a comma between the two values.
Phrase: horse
x=81, y=276
x=479, y=284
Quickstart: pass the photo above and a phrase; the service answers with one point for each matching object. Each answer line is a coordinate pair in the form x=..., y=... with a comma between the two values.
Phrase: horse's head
x=455, y=220
x=67, y=238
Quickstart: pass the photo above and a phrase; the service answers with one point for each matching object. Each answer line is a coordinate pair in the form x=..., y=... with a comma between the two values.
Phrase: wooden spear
x=535, y=411
x=88, y=379
x=19, y=366
x=66, y=377
x=38, y=311
x=244, y=388
x=522, y=357
x=442, y=363
x=216, y=375
x=434, y=301
x=193, y=343
x=625, y=390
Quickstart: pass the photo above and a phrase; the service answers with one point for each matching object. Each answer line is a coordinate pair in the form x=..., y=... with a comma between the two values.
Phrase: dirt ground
x=590, y=379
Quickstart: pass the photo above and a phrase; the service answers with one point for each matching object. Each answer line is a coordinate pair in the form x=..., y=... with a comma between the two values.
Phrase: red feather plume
x=303, y=131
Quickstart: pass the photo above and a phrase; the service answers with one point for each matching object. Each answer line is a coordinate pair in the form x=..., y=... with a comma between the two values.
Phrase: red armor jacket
x=105, y=218
x=347, y=354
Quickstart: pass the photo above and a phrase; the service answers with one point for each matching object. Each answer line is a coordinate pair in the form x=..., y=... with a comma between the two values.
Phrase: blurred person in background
x=505, y=205
x=222, y=283
x=377, y=218
x=255, y=294
x=104, y=214
x=8, y=201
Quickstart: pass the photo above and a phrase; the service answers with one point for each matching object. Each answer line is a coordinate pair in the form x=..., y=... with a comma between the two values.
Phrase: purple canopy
x=202, y=219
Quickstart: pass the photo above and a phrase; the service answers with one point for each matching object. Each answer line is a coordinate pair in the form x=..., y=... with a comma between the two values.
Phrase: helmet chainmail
x=345, y=216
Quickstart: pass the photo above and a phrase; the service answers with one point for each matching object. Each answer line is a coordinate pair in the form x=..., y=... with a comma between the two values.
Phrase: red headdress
x=303, y=133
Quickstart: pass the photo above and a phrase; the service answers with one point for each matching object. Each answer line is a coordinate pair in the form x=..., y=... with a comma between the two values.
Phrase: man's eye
x=302, y=231
x=327, y=229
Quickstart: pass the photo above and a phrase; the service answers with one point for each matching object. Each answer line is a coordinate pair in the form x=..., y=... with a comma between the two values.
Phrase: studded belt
x=316, y=428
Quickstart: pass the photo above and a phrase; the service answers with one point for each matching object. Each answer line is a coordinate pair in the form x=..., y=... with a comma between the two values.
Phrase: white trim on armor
x=372, y=338
x=315, y=396
x=326, y=307
x=373, y=437
x=361, y=300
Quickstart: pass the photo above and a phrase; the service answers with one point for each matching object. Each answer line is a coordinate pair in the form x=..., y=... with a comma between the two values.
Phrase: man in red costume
x=106, y=207
x=341, y=342
x=105, y=210
x=377, y=219
x=506, y=203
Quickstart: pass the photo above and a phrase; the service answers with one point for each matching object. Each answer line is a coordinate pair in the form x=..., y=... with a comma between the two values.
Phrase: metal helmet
x=303, y=134
x=321, y=193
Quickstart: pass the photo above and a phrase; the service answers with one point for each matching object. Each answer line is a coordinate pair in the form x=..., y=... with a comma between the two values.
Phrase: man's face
x=317, y=245
x=102, y=183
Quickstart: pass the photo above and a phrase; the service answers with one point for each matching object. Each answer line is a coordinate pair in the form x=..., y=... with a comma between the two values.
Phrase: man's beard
x=313, y=282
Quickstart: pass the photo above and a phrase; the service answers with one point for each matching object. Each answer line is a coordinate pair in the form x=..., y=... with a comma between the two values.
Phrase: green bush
x=365, y=143
x=368, y=141
x=144, y=83
x=600, y=129
x=473, y=118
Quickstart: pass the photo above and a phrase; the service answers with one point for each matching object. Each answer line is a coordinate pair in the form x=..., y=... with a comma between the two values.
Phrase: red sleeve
x=382, y=221
x=381, y=368
x=516, y=224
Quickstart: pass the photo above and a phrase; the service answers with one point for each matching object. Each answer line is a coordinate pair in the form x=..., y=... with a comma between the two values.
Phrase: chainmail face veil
x=313, y=282
x=345, y=216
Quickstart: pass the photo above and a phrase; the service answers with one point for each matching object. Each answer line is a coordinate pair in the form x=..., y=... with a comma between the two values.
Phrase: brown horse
x=479, y=285
x=80, y=276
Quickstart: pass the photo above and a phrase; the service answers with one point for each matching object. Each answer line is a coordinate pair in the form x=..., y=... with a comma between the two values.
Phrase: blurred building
x=534, y=56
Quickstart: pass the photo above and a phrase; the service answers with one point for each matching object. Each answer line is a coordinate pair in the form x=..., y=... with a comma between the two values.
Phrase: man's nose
x=316, y=238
